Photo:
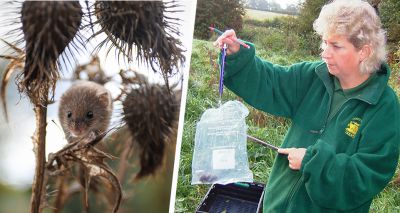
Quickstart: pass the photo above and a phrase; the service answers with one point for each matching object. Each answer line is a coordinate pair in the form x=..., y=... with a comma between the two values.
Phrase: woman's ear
x=365, y=52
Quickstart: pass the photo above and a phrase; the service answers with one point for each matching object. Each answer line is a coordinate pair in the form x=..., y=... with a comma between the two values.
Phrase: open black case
x=233, y=198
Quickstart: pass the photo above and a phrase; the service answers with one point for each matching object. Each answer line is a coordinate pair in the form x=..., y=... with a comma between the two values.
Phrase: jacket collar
x=369, y=94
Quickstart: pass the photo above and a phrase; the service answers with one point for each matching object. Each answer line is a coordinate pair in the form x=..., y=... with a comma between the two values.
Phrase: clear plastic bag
x=220, y=151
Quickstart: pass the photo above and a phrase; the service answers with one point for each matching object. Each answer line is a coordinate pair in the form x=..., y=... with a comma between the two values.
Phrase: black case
x=233, y=198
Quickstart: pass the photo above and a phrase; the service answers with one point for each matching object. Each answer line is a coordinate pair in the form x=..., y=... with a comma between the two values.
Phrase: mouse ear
x=105, y=97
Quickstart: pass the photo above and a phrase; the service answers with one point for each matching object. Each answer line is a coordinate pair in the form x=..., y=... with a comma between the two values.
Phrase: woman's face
x=341, y=57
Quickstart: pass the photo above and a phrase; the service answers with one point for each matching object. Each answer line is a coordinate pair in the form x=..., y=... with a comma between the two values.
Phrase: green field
x=261, y=15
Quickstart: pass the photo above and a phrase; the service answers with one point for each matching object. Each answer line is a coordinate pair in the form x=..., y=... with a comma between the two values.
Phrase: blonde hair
x=358, y=21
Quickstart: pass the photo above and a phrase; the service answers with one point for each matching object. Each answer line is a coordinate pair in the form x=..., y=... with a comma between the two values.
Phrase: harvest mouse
x=85, y=111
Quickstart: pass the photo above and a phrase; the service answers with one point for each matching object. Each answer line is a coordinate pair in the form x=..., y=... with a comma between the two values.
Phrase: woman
x=343, y=145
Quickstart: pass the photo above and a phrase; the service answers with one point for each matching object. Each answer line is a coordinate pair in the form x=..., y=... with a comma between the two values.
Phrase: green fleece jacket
x=350, y=158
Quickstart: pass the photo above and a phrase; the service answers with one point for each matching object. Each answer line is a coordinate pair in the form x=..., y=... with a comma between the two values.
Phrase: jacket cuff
x=306, y=158
x=237, y=61
x=241, y=51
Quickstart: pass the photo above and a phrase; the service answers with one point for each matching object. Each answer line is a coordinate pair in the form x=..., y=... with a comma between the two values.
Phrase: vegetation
x=389, y=11
x=277, y=42
x=222, y=14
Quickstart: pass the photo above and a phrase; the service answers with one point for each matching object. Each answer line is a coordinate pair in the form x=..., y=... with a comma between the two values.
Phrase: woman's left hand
x=294, y=155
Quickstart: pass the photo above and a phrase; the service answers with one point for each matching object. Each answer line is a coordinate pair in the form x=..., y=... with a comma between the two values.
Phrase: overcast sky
x=287, y=2
x=284, y=3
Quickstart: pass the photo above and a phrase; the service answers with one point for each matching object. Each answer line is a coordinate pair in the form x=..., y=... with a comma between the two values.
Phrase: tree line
x=226, y=14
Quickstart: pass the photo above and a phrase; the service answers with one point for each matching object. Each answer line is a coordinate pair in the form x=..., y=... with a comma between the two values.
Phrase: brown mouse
x=85, y=111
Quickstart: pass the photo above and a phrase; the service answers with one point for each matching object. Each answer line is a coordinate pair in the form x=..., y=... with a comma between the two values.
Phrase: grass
x=203, y=94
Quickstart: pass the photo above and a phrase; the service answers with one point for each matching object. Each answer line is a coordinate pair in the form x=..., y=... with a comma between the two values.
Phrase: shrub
x=390, y=16
x=223, y=14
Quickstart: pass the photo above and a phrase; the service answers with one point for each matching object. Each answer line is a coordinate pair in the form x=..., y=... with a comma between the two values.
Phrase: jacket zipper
x=327, y=121
x=293, y=190
x=320, y=131
x=327, y=115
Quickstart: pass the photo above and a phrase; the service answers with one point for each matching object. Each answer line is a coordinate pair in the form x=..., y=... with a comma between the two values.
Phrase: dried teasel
x=48, y=28
x=91, y=165
x=93, y=71
x=150, y=111
x=142, y=25
x=16, y=63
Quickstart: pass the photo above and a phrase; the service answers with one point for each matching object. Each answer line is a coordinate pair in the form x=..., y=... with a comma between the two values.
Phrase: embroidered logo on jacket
x=352, y=127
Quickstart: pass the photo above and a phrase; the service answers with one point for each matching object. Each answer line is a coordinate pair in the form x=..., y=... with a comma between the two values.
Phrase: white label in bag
x=223, y=159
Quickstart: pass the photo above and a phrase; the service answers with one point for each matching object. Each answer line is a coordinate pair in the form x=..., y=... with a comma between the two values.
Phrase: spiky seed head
x=150, y=112
x=142, y=25
x=48, y=27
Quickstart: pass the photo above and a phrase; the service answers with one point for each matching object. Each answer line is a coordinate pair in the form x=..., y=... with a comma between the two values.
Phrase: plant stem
x=123, y=163
x=59, y=202
x=39, y=147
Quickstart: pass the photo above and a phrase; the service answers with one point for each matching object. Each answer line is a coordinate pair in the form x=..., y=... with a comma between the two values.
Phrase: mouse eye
x=89, y=114
x=69, y=114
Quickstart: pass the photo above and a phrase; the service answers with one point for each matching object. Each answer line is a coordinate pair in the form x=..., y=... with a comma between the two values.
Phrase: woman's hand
x=228, y=37
x=295, y=156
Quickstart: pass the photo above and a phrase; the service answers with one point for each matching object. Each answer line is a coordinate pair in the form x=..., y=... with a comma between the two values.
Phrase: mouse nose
x=77, y=128
x=76, y=132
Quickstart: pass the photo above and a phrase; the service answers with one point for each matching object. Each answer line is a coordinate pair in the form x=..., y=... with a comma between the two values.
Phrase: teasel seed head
x=151, y=113
x=142, y=26
x=48, y=28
